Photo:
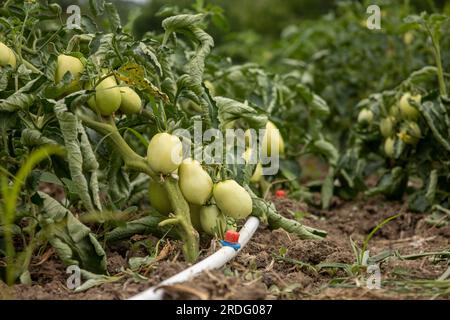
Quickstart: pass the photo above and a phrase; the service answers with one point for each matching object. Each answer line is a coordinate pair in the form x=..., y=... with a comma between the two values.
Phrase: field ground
x=277, y=265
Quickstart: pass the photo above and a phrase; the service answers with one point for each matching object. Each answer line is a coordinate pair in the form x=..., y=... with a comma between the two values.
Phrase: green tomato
x=229, y=125
x=232, y=199
x=164, y=153
x=7, y=56
x=236, y=76
x=414, y=129
x=408, y=37
x=386, y=126
x=407, y=111
x=365, y=116
x=159, y=198
x=394, y=112
x=213, y=221
x=130, y=101
x=72, y=65
x=195, y=183
x=107, y=97
x=258, y=171
x=272, y=139
x=257, y=174
x=389, y=144
x=195, y=216
x=410, y=133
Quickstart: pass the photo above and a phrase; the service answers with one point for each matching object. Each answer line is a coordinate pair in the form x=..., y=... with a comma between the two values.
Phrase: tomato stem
x=438, y=59
x=186, y=231
x=169, y=221
x=30, y=66
x=267, y=212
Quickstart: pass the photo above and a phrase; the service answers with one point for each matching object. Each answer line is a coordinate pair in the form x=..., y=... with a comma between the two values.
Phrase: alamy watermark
x=374, y=20
x=74, y=19
x=373, y=280
x=74, y=279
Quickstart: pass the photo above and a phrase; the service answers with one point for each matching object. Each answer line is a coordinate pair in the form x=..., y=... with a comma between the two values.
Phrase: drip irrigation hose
x=214, y=261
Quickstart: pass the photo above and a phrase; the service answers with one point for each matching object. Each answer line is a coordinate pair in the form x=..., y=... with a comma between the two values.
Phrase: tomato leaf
x=113, y=16
x=230, y=110
x=73, y=241
x=97, y=7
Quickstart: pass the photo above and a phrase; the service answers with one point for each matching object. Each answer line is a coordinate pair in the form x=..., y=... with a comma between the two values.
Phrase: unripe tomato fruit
x=410, y=133
x=365, y=116
x=272, y=139
x=74, y=66
x=130, y=101
x=236, y=75
x=408, y=38
x=407, y=111
x=212, y=220
x=257, y=174
x=414, y=129
x=164, y=153
x=394, y=112
x=389, y=144
x=107, y=98
x=386, y=126
x=229, y=125
x=195, y=183
x=258, y=171
x=232, y=199
x=159, y=198
x=195, y=216
x=7, y=56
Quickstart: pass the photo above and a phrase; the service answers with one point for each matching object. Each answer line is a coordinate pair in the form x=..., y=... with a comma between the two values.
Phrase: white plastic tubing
x=214, y=261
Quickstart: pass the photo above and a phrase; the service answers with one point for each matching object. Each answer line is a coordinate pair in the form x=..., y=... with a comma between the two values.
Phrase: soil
x=278, y=265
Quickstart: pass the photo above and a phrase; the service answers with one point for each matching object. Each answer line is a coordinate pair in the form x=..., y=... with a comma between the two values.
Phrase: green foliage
x=104, y=171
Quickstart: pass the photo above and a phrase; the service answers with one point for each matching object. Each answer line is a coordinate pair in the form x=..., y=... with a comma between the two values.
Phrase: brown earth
x=278, y=265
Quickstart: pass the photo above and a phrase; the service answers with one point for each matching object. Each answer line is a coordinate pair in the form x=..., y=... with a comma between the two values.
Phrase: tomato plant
x=409, y=130
x=114, y=105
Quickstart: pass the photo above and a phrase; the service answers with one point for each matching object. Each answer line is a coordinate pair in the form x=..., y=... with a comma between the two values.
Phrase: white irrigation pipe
x=214, y=261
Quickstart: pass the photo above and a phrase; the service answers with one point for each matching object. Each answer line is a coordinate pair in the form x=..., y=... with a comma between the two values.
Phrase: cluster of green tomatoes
x=399, y=125
x=214, y=208
x=109, y=95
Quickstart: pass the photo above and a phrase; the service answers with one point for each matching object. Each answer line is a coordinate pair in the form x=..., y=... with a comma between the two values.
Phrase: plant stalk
x=437, y=56
x=180, y=207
